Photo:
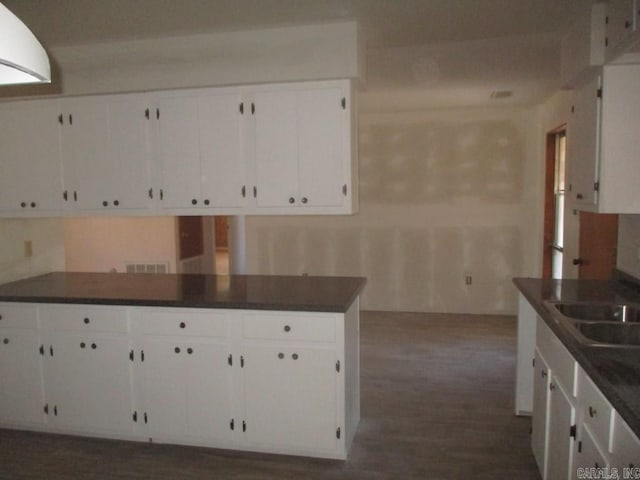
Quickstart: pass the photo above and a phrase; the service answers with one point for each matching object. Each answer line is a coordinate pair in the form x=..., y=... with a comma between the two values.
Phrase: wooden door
x=598, y=245
x=191, y=236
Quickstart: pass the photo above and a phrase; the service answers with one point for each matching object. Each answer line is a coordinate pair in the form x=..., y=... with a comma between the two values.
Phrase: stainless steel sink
x=599, y=324
x=602, y=312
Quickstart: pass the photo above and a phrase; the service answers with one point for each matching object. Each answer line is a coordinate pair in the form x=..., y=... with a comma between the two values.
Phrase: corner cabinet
x=257, y=149
x=622, y=26
x=603, y=142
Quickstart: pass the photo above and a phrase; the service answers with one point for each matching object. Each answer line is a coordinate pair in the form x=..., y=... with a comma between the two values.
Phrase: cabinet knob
x=281, y=355
x=82, y=344
x=33, y=204
x=94, y=346
x=304, y=200
x=552, y=386
x=592, y=411
x=294, y=356
x=177, y=349
x=544, y=374
x=579, y=196
x=194, y=201
x=5, y=341
x=86, y=320
x=189, y=350
x=105, y=203
x=23, y=204
x=578, y=261
x=206, y=201
x=116, y=203
x=627, y=24
x=292, y=200
x=183, y=325
x=287, y=328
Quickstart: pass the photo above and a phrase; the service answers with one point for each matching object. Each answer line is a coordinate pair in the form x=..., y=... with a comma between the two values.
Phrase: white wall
x=102, y=244
x=629, y=244
x=47, y=239
x=443, y=194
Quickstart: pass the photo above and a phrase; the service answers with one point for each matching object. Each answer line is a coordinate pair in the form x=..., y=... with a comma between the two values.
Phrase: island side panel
x=352, y=371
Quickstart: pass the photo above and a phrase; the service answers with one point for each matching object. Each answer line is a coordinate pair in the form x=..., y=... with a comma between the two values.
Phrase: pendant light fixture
x=22, y=58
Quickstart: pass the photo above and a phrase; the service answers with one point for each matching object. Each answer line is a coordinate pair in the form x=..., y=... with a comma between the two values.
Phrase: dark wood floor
x=437, y=403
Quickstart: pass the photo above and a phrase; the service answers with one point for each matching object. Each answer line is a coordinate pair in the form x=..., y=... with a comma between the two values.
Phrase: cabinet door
x=129, y=177
x=85, y=152
x=621, y=24
x=30, y=162
x=187, y=385
x=21, y=395
x=323, y=124
x=290, y=397
x=560, y=442
x=587, y=454
x=583, y=140
x=88, y=382
x=179, y=145
x=276, y=148
x=222, y=163
x=539, y=421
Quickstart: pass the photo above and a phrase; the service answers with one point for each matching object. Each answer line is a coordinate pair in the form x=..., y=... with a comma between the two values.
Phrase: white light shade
x=22, y=58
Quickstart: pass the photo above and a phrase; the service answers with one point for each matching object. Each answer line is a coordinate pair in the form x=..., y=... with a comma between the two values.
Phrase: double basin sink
x=599, y=324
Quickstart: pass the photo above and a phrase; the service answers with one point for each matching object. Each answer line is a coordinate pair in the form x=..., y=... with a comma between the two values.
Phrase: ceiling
x=433, y=52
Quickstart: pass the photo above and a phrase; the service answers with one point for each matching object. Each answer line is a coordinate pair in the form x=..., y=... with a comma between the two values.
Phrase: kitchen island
x=247, y=362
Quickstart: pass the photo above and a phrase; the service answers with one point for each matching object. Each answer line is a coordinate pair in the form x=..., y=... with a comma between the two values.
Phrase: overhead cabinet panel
x=200, y=149
x=30, y=166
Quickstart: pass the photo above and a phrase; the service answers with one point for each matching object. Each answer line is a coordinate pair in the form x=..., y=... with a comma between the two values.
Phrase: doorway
x=554, y=203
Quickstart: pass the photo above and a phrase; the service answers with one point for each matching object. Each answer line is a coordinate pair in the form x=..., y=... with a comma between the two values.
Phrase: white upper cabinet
x=264, y=149
x=106, y=153
x=303, y=148
x=200, y=153
x=604, y=141
x=30, y=168
x=621, y=26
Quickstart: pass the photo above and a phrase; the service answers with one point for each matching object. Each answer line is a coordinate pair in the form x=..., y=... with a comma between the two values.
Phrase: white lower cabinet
x=184, y=376
x=88, y=382
x=21, y=393
x=263, y=381
x=290, y=396
x=574, y=428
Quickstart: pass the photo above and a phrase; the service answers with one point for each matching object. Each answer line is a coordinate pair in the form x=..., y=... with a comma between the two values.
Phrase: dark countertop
x=615, y=371
x=251, y=292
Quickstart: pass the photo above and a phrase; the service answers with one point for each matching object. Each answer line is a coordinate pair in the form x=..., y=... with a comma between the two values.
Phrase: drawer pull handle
x=177, y=349
x=281, y=355
x=592, y=411
x=86, y=320
x=294, y=356
x=183, y=325
x=189, y=350
x=287, y=328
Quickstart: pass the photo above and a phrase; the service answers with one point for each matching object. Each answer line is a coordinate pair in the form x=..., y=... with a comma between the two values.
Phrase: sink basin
x=622, y=334
x=599, y=324
x=601, y=312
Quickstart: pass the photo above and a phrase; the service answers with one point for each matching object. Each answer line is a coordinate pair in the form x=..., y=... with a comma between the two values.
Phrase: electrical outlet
x=28, y=248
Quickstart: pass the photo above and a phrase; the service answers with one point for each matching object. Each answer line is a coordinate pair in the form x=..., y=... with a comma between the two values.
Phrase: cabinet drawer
x=18, y=315
x=283, y=326
x=187, y=322
x=596, y=410
x=84, y=318
x=560, y=361
x=625, y=446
